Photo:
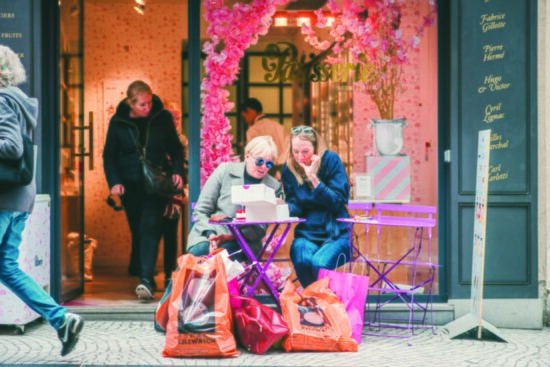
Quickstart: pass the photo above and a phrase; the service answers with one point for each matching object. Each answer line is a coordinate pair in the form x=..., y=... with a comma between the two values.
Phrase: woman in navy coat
x=317, y=189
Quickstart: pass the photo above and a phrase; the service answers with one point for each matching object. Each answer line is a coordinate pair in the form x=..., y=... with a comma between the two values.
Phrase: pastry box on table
x=260, y=203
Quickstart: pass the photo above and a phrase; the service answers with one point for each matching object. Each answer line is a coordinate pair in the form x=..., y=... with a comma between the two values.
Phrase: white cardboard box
x=252, y=195
x=260, y=203
x=267, y=212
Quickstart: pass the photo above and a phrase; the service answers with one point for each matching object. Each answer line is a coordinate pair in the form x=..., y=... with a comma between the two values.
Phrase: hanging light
x=140, y=6
x=303, y=20
x=280, y=19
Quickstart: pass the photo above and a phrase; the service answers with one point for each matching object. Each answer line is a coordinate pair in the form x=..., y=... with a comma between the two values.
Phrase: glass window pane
x=269, y=96
x=256, y=72
x=232, y=93
x=184, y=98
x=185, y=76
x=233, y=122
x=184, y=125
x=287, y=99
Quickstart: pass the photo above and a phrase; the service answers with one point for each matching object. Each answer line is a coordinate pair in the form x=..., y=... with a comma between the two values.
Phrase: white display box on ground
x=34, y=259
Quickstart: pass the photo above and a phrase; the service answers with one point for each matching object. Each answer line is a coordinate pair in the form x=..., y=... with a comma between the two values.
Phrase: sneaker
x=145, y=290
x=69, y=332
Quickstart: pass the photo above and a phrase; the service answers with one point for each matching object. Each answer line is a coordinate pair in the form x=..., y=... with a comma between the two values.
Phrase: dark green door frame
x=493, y=90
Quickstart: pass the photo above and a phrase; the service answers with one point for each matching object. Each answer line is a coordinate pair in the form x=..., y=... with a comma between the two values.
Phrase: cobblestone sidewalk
x=136, y=343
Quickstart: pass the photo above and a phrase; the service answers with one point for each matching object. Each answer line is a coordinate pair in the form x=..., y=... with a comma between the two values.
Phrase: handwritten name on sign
x=284, y=63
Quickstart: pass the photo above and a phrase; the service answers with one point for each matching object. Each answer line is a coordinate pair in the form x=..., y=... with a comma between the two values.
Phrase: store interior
x=119, y=44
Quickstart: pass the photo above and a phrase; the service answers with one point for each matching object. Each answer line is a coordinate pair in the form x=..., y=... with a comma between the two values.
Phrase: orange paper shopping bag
x=199, y=314
x=317, y=320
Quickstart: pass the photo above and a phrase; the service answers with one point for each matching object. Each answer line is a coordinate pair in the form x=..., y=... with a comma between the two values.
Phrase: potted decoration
x=370, y=30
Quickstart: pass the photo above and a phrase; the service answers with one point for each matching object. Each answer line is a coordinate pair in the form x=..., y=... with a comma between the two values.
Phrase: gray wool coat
x=18, y=113
x=215, y=199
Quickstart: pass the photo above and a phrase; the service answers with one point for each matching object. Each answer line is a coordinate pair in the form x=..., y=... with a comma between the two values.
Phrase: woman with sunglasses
x=317, y=189
x=215, y=200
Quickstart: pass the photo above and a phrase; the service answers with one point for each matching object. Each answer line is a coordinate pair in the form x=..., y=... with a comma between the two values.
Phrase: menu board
x=494, y=91
x=16, y=33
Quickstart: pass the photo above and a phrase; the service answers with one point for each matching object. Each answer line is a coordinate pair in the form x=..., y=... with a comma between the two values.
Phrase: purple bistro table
x=256, y=263
x=384, y=267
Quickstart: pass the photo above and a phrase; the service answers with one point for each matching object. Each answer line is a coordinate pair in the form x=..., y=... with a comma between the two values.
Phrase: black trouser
x=145, y=214
x=170, y=236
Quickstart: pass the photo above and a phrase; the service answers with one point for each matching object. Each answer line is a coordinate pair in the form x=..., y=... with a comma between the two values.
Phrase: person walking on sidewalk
x=18, y=114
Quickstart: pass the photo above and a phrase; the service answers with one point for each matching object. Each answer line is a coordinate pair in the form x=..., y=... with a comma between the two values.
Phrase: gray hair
x=12, y=71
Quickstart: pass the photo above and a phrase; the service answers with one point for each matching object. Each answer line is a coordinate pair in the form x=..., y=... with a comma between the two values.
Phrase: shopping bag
x=316, y=318
x=233, y=270
x=257, y=325
x=352, y=290
x=199, y=314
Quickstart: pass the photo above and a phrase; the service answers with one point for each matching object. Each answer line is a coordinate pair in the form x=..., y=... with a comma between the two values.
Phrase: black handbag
x=157, y=176
x=158, y=179
x=18, y=172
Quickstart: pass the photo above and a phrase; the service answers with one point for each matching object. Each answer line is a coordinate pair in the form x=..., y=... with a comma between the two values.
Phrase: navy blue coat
x=322, y=205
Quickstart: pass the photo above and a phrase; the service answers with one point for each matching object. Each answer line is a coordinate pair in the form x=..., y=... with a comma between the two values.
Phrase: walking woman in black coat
x=141, y=122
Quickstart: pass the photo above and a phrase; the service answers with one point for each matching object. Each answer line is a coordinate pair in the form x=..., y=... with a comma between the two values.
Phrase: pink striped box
x=391, y=178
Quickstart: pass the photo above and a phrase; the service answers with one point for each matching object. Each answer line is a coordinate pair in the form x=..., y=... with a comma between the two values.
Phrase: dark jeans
x=145, y=214
x=170, y=236
x=308, y=257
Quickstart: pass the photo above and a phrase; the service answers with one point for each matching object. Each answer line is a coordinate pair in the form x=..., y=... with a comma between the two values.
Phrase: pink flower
x=222, y=68
x=370, y=29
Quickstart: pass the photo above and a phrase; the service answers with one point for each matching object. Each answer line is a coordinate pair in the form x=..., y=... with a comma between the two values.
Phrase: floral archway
x=369, y=29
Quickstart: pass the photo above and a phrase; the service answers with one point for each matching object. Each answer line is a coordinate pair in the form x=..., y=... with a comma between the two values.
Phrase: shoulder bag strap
x=139, y=148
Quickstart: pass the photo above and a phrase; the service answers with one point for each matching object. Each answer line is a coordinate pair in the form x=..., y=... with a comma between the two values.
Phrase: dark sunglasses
x=260, y=162
x=301, y=129
x=112, y=203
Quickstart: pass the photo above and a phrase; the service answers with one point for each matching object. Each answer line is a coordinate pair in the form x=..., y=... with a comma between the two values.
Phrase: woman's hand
x=177, y=181
x=311, y=170
x=216, y=240
x=117, y=190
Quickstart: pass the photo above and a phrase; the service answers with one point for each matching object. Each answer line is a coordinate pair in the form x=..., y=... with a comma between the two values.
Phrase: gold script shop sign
x=283, y=63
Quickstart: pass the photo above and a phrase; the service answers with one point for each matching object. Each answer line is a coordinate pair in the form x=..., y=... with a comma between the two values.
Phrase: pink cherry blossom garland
x=375, y=40
x=231, y=32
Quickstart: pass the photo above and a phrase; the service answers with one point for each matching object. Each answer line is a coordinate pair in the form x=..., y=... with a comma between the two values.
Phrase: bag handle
x=351, y=269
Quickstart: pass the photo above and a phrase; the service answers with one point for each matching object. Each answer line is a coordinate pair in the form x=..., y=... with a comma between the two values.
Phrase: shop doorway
x=73, y=150
x=101, y=53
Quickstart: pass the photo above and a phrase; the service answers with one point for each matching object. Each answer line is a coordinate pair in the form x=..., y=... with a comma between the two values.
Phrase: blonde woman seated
x=215, y=200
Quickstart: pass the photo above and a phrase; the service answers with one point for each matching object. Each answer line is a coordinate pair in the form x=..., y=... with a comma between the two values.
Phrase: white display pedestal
x=34, y=259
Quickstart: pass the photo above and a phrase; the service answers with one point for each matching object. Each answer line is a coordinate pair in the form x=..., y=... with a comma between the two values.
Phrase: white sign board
x=480, y=223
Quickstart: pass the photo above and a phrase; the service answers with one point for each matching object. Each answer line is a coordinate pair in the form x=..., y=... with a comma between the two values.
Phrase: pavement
x=113, y=343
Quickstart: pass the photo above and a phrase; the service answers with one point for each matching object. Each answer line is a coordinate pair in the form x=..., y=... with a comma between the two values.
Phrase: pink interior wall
x=122, y=46
x=418, y=104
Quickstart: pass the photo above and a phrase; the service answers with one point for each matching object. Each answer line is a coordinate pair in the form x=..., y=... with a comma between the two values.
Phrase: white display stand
x=472, y=324
x=34, y=259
